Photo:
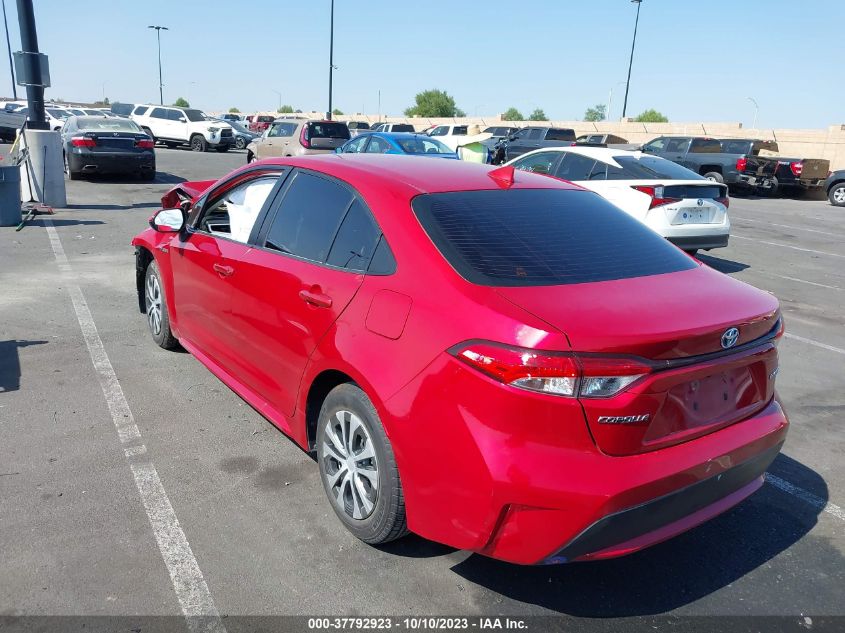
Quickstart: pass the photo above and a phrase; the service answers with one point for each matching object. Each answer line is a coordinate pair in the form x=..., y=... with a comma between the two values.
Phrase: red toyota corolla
x=499, y=361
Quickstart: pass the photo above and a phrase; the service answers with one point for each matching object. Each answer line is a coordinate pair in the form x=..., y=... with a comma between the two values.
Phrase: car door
x=179, y=125
x=293, y=286
x=202, y=259
x=526, y=140
x=656, y=146
x=676, y=150
x=159, y=123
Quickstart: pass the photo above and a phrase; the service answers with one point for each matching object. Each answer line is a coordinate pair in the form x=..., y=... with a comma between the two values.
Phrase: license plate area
x=692, y=215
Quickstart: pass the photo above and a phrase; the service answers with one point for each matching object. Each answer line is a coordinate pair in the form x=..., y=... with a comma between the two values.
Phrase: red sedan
x=499, y=361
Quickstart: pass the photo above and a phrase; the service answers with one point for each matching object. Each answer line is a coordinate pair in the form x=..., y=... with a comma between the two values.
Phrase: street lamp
x=331, y=60
x=104, y=92
x=159, y=29
x=756, y=110
x=631, y=61
x=280, y=98
x=610, y=99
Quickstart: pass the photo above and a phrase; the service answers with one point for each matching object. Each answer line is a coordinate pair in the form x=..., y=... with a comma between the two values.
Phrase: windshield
x=542, y=237
x=195, y=115
x=648, y=168
x=57, y=113
x=422, y=145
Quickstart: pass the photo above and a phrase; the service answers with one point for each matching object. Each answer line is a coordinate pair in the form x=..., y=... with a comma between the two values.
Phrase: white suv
x=179, y=126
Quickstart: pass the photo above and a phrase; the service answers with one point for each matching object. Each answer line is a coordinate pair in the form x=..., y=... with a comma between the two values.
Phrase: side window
x=233, y=215
x=705, y=146
x=535, y=134
x=356, y=239
x=308, y=217
x=540, y=163
x=575, y=167
x=598, y=171
x=140, y=110
x=353, y=147
x=459, y=130
x=175, y=115
x=558, y=134
x=275, y=130
x=158, y=113
x=378, y=146
x=657, y=145
x=441, y=130
x=677, y=145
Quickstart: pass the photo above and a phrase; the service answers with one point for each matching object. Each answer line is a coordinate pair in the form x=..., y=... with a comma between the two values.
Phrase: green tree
x=106, y=101
x=512, y=114
x=234, y=111
x=596, y=113
x=538, y=115
x=651, y=116
x=433, y=103
x=285, y=109
x=181, y=103
x=337, y=112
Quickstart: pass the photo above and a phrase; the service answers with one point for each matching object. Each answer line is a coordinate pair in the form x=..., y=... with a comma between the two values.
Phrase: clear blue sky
x=694, y=60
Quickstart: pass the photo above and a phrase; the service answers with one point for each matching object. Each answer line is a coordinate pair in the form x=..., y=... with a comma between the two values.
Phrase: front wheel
x=715, y=176
x=240, y=142
x=198, y=143
x=836, y=195
x=251, y=158
x=157, y=317
x=357, y=467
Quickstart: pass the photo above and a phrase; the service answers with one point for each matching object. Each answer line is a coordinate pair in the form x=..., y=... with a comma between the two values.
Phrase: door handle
x=316, y=298
x=223, y=271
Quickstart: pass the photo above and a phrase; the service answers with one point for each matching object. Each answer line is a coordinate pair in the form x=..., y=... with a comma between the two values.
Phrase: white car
x=449, y=135
x=55, y=117
x=175, y=126
x=685, y=208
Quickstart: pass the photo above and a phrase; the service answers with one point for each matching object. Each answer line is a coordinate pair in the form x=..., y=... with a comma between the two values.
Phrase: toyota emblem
x=700, y=202
x=730, y=337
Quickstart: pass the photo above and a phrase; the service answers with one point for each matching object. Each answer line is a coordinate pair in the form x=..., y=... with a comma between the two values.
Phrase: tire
x=836, y=195
x=771, y=192
x=715, y=176
x=198, y=143
x=149, y=175
x=72, y=175
x=251, y=158
x=370, y=503
x=156, y=307
x=222, y=149
x=240, y=142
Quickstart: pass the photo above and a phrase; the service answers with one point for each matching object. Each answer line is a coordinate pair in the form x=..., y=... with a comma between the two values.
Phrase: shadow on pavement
x=113, y=207
x=10, y=364
x=677, y=572
x=162, y=178
x=726, y=266
x=39, y=221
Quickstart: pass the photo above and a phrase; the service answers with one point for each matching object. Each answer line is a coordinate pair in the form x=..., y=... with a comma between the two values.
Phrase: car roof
x=598, y=153
x=413, y=175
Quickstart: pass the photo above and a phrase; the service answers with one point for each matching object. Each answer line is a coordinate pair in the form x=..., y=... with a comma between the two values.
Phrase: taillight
x=555, y=373
x=83, y=141
x=145, y=143
x=796, y=168
x=725, y=201
x=741, y=163
x=303, y=138
x=657, y=194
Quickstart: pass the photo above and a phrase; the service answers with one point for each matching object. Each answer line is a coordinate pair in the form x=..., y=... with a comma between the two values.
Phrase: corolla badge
x=730, y=337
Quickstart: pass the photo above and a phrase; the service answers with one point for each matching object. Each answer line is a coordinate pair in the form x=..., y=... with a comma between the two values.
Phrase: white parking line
x=191, y=589
x=788, y=226
x=797, y=248
x=810, y=341
x=817, y=502
x=803, y=281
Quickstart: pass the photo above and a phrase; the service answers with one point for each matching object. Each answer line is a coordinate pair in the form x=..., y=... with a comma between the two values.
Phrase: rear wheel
x=198, y=143
x=157, y=318
x=72, y=175
x=836, y=195
x=771, y=191
x=250, y=157
x=148, y=175
x=240, y=142
x=357, y=467
x=715, y=176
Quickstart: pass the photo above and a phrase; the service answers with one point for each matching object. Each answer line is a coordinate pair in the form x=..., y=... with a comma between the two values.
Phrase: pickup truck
x=721, y=161
x=771, y=174
x=260, y=123
x=536, y=137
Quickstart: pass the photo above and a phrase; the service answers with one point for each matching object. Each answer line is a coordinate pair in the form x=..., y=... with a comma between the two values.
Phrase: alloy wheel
x=350, y=465
x=839, y=195
x=154, y=304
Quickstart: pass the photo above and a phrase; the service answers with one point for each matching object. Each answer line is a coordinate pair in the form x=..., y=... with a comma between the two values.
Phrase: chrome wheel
x=350, y=465
x=839, y=195
x=154, y=304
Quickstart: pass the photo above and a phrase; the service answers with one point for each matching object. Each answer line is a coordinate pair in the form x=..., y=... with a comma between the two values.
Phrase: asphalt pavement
x=76, y=537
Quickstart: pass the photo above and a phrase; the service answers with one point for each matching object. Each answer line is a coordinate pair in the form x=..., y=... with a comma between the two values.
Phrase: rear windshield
x=648, y=168
x=402, y=127
x=560, y=134
x=109, y=125
x=542, y=237
x=327, y=129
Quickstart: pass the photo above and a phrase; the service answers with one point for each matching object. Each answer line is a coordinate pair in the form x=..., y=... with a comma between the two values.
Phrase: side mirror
x=168, y=221
x=182, y=119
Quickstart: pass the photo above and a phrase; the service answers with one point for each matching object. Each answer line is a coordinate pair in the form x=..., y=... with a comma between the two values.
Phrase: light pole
x=280, y=98
x=331, y=60
x=610, y=99
x=756, y=110
x=631, y=61
x=104, y=92
x=159, y=29
x=9, y=46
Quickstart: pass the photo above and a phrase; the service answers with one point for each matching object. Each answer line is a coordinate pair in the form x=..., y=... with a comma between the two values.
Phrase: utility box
x=42, y=172
x=10, y=196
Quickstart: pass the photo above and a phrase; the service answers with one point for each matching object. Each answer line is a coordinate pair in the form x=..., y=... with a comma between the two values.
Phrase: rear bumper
x=704, y=242
x=767, y=182
x=111, y=162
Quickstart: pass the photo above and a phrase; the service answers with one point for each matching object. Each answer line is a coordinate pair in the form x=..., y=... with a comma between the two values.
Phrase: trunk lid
x=814, y=168
x=677, y=322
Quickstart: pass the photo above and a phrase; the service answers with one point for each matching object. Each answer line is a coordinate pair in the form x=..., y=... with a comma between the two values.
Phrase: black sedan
x=243, y=136
x=100, y=145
